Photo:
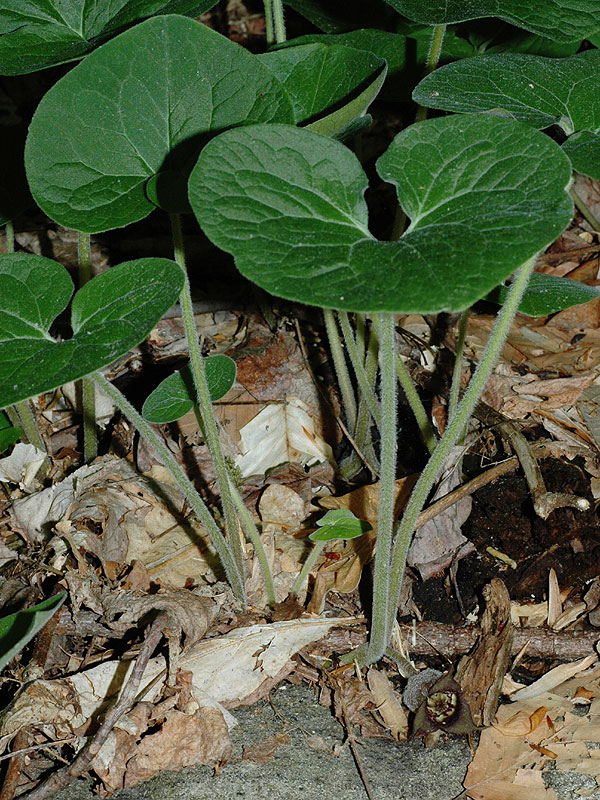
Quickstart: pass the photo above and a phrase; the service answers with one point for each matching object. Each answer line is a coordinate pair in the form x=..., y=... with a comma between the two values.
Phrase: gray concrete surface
x=404, y=771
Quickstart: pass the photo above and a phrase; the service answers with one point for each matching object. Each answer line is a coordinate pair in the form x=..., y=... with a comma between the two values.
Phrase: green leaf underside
x=547, y=294
x=533, y=89
x=339, y=523
x=561, y=20
x=583, y=149
x=142, y=104
x=18, y=629
x=405, y=56
x=35, y=34
x=175, y=396
x=322, y=77
x=484, y=194
x=110, y=315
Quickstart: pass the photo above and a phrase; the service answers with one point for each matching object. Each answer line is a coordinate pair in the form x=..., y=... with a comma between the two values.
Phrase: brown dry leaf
x=182, y=740
x=522, y=723
x=553, y=678
x=263, y=752
x=389, y=704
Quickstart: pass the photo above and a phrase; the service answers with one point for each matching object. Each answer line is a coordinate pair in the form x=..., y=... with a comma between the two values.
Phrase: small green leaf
x=583, y=149
x=8, y=434
x=547, y=294
x=110, y=314
x=533, y=89
x=329, y=85
x=35, y=34
x=483, y=194
x=16, y=630
x=555, y=19
x=175, y=396
x=339, y=524
x=119, y=133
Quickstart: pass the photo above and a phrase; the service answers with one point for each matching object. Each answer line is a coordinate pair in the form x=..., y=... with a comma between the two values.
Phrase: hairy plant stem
x=583, y=209
x=88, y=392
x=341, y=369
x=458, y=362
x=21, y=414
x=210, y=430
x=269, y=30
x=456, y=426
x=234, y=575
x=365, y=386
x=379, y=634
x=433, y=59
x=248, y=526
x=311, y=560
x=278, y=21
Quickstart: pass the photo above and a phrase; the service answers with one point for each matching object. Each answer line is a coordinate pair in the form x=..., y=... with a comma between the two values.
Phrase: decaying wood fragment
x=481, y=673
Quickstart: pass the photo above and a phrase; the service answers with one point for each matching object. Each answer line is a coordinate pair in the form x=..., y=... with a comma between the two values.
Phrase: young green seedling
x=337, y=525
x=16, y=630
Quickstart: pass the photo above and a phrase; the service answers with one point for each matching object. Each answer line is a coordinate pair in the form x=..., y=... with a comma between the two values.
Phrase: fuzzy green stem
x=311, y=560
x=204, y=401
x=270, y=33
x=339, y=363
x=29, y=425
x=10, y=236
x=458, y=362
x=583, y=209
x=379, y=634
x=365, y=386
x=363, y=419
x=278, y=21
x=433, y=59
x=234, y=576
x=88, y=392
x=251, y=531
x=415, y=402
x=454, y=430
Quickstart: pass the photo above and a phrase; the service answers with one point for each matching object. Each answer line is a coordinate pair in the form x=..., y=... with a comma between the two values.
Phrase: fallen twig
x=58, y=780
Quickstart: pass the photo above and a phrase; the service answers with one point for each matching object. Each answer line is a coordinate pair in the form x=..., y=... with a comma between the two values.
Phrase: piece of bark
x=435, y=638
x=481, y=673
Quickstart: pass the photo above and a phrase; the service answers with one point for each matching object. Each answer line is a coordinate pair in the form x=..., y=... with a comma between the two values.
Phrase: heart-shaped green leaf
x=8, y=434
x=536, y=90
x=18, y=629
x=127, y=123
x=175, y=396
x=329, y=85
x=554, y=19
x=484, y=194
x=405, y=56
x=35, y=34
x=547, y=294
x=340, y=523
x=110, y=314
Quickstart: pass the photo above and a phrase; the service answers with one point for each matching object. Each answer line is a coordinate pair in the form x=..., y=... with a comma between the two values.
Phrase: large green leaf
x=561, y=20
x=484, y=194
x=16, y=630
x=536, y=90
x=110, y=314
x=120, y=132
x=38, y=33
x=325, y=81
x=547, y=294
x=405, y=56
x=175, y=396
